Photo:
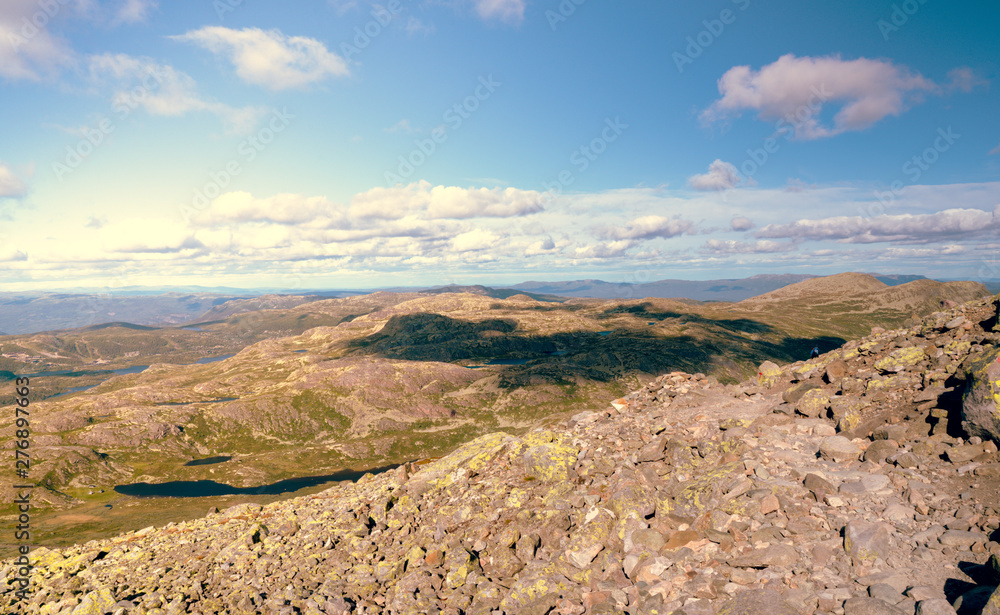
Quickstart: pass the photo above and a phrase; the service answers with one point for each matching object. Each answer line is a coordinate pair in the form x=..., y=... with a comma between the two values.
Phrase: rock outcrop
x=839, y=485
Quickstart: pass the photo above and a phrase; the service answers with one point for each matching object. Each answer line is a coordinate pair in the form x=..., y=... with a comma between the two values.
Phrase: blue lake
x=209, y=488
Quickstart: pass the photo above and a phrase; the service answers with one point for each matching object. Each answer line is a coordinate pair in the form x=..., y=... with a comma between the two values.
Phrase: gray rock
x=935, y=606
x=867, y=541
x=961, y=538
x=879, y=450
x=981, y=402
x=838, y=448
x=870, y=606
x=755, y=602
x=774, y=555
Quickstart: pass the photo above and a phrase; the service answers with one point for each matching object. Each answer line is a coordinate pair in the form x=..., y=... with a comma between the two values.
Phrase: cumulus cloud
x=794, y=90
x=741, y=223
x=163, y=90
x=950, y=223
x=148, y=236
x=611, y=249
x=27, y=51
x=647, y=227
x=445, y=202
x=718, y=246
x=475, y=240
x=11, y=186
x=504, y=10
x=242, y=207
x=721, y=176
x=270, y=59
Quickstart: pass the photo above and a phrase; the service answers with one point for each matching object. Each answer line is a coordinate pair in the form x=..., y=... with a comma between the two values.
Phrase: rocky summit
x=864, y=481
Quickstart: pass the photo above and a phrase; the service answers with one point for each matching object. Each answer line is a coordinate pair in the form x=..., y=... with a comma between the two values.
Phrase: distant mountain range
x=32, y=312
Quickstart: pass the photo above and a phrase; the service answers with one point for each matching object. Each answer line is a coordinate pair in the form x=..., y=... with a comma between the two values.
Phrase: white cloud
x=134, y=11
x=475, y=240
x=436, y=202
x=270, y=59
x=504, y=10
x=11, y=186
x=240, y=207
x=28, y=48
x=950, y=223
x=794, y=91
x=612, y=249
x=416, y=26
x=718, y=246
x=150, y=235
x=647, y=227
x=162, y=90
x=741, y=223
x=721, y=176
x=10, y=254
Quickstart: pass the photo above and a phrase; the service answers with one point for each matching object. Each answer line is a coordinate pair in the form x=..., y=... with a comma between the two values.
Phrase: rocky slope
x=843, y=484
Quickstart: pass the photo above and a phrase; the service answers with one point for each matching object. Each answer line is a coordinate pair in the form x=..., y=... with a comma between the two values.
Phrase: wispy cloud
x=505, y=10
x=166, y=91
x=29, y=52
x=943, y=225
x=719, y=246
x=11, y=186
x=269, y=58
x=133, y=11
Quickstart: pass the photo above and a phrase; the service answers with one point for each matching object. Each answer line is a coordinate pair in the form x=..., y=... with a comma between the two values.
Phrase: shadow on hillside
x=645, y=311
x=569, y=357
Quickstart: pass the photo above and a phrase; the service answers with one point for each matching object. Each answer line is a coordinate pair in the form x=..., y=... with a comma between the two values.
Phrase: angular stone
x=935, y=606
x=879, y=450
x=813, y=404
x=756, y=602
x=981, y=402
x=838, y=448
x=768, y=374
x=95, y=603
x=867, y=541
x=550, y=463
x=962, y=539
x=774, y=555
x=869, y=606
x=581, y=558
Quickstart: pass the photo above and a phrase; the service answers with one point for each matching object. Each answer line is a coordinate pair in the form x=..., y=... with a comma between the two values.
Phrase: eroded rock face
x=981, y=403
x=685, y=496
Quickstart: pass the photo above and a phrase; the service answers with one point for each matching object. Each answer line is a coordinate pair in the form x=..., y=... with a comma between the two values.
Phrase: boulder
x=981, y=401
x=866, y=541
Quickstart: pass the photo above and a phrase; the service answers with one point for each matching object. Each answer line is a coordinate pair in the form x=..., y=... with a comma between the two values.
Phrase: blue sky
x=340, y=143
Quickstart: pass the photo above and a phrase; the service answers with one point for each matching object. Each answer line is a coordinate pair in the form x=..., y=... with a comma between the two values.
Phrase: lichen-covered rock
x=981, y=401
x=899, y=360
x=867, y=541
x=813, y=404
x=756, y=602
x=768, y=374
x=550, y=463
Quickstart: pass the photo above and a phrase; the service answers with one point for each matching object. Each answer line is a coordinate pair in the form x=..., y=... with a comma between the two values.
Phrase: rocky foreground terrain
x=863, y=482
